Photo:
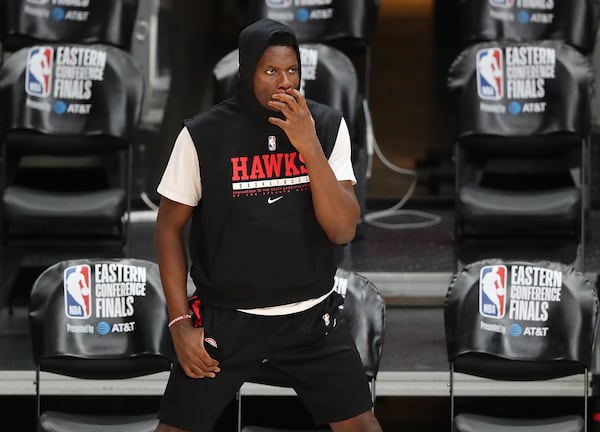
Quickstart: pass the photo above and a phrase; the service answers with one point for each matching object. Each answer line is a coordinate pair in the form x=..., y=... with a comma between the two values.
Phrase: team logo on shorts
x=211, y=342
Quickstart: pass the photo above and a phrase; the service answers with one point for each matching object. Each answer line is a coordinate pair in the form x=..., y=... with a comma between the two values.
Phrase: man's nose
x=284, y=82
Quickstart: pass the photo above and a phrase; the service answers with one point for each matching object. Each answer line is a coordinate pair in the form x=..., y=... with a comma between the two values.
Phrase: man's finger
x=286, y=99
x=277, y=121
x=298, y=97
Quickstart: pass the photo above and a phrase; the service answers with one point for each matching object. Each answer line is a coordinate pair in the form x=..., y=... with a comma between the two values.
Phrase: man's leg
x=162, y=427
x=320, y=361
x=365, y=422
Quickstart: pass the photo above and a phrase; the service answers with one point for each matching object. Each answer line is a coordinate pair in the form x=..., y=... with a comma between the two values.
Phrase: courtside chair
x=97, y=320
x=521, y=115
x=574, y=22
x=364, y=311
x=26, y=23
x=527, y=321
x=68, y=118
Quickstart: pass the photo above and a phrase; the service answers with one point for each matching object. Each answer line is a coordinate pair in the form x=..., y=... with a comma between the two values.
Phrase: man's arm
x=172, y=261
x=335, y=202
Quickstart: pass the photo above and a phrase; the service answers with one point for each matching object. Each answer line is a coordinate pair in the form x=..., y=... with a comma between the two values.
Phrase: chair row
x=504, y=320
x=521, y=100
x=25, y=23
x=107, y=319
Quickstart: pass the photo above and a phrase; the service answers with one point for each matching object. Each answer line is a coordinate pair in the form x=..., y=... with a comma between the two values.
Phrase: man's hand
x=335, y=203
x=299, y=124
x=192, y=356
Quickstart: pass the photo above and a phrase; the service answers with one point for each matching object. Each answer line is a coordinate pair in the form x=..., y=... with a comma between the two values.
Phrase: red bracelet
x=179, y=318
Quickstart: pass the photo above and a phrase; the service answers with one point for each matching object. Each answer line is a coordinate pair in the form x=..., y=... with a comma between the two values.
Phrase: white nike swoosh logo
x=273, y=200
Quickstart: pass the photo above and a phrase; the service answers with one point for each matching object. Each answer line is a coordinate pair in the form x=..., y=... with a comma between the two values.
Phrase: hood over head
x=252, y=43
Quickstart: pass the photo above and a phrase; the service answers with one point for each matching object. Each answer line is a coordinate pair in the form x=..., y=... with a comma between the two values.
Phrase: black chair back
x=520, y=320
x=510, y=21
x=328, y=22
x=503, y=91
x=27, y=22
x=71, y=90
x=100, y=319
x=364, y=311
x=517, y=320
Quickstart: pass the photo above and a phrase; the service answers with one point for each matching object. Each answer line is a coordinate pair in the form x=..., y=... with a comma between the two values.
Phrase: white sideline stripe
x=148, y=216
x=407, y=284
x=22, y=383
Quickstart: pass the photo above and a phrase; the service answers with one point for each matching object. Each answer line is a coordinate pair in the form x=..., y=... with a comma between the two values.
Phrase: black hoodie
x=254, y=238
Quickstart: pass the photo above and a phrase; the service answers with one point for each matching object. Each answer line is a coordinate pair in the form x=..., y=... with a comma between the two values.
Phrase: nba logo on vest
x=272, y=143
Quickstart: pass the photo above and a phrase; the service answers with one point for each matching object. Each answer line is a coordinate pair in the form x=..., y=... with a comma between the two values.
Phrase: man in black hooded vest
x=276, y=193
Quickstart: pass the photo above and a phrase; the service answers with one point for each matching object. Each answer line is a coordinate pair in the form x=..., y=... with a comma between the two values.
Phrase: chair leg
x=10, y=264
x=238, y=397
x=451, y=387
x=585, y=399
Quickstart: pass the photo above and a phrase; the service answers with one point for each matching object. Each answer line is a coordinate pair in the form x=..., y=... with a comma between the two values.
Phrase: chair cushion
x=52, y=421
x=477, y=423
x=558, y=207
x=266, y=429
x=25, y=206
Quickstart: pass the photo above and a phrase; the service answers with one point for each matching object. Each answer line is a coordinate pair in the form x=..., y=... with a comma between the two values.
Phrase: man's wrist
x=178, y=319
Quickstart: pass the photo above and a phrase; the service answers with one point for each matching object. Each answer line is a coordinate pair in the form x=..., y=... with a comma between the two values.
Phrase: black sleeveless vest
x=254, y=237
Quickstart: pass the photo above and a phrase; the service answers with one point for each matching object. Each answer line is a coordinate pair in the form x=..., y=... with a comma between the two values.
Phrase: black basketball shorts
x=312, y=350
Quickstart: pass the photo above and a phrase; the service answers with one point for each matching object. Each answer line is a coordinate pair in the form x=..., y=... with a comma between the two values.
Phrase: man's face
x=276, y=72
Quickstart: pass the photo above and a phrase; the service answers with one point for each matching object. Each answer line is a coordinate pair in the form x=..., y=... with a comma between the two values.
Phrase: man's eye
x=270, y=71
x=293, y=70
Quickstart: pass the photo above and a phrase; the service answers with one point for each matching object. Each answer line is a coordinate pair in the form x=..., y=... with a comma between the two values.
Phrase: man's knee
x=365, y=422
x=162, y=427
